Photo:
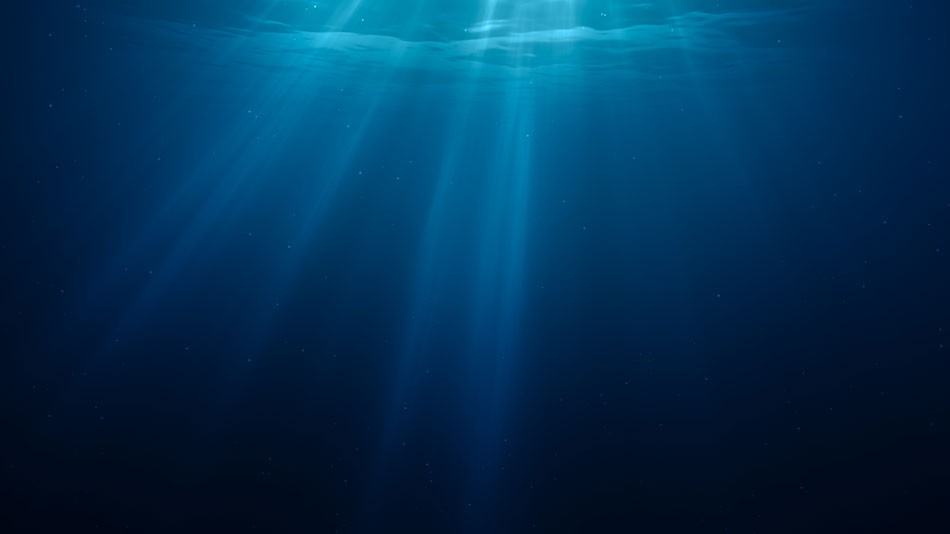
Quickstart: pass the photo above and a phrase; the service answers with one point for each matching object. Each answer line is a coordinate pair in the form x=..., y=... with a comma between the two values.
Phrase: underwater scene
x=475, y=266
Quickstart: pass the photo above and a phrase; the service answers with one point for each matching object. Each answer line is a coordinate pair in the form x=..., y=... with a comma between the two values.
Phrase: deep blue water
x=475, y=266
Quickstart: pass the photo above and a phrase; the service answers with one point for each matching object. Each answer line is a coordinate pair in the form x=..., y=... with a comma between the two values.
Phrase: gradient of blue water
x=367, y=266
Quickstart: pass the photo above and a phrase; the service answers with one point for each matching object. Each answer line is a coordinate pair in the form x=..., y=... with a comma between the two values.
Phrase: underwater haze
x=476, y=266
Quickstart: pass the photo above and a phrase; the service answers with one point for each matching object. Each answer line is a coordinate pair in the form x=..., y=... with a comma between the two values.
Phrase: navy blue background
x=714, y=302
